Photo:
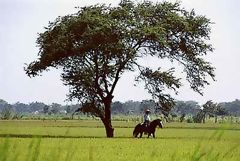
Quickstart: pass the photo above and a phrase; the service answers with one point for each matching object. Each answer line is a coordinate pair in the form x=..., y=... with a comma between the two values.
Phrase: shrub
x=189, y=120
x=6, y=113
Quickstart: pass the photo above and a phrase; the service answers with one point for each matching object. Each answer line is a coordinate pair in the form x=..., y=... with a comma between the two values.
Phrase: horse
x=141, y=128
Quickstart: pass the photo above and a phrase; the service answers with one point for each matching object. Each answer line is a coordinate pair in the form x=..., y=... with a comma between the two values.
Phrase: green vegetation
x=96, y=45
x=85, y=140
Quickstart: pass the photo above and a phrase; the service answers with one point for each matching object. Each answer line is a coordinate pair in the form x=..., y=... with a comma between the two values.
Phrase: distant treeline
x=129, y=107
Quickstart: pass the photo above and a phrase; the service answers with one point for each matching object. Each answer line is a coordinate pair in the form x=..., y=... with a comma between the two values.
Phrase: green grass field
x=85, y=140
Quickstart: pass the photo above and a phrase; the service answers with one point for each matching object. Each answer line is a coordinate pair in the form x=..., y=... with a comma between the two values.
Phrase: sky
x=22, y=20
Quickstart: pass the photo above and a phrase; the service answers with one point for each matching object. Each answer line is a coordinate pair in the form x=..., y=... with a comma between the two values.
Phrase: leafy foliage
x=211, y=109
x=187, y=107
x=232, y=107
x=6, y=112
x=96, y=45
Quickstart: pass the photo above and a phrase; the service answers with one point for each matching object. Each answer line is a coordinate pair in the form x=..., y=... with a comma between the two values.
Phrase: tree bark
x=204, y=117
x=107, y=118
x=109, y=129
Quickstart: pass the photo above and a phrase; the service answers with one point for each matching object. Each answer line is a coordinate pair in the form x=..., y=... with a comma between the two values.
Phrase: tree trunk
x=107, y=119
x=204, y=117
x=109, y=129
x=215, y=118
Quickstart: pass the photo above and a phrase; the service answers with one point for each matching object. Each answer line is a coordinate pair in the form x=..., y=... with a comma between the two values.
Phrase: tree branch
x=97, y=86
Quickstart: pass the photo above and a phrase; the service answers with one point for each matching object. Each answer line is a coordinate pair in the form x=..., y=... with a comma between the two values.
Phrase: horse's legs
x=135, y=135
x=141, y=134
x=149, y=134
x=153, y=135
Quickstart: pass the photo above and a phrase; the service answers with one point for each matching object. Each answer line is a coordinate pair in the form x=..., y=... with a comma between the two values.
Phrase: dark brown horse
x=141, y=128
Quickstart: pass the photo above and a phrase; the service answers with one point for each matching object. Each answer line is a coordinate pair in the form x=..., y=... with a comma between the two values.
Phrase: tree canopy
x=212, y=109
x=96, y=45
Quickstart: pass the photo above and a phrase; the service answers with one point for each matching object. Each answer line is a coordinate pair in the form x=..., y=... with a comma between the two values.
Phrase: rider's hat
x=147, y=111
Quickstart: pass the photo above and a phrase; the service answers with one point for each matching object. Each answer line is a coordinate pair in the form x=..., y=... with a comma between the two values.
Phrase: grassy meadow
x=85, y=140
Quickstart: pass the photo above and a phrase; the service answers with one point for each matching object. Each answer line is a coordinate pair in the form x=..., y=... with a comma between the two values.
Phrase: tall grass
x=4, y=149
x=176, y=144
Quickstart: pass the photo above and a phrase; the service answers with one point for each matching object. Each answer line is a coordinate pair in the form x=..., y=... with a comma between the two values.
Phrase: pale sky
x=21, y=20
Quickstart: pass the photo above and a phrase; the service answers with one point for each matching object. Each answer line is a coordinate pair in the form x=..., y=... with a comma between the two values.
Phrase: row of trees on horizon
x=181, y=108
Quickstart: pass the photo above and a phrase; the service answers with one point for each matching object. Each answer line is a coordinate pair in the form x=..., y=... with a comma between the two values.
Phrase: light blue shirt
x=147, y=117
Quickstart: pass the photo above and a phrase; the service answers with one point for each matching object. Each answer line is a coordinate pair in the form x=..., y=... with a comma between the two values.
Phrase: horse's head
x=160, y=124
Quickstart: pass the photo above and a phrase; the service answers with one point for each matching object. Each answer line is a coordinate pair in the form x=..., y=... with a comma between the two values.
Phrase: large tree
x=96, y=45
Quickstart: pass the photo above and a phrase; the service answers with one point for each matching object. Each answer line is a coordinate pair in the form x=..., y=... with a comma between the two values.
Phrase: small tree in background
x=6, y=112
x=55, y=108
x=96, y=45
x=45, y=109
x=212, y=109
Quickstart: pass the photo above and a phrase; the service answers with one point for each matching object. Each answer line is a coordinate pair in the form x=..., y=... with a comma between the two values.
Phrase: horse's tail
x=134, y=132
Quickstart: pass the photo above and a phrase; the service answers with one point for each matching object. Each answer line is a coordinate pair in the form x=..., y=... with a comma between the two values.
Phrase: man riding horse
x=150, y=130
x=146, y=118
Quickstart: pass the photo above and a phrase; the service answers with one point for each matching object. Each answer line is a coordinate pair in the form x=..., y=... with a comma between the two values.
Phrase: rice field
x=75, y=140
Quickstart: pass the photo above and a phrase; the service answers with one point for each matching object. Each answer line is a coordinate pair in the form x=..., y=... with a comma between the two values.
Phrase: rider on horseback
x=147, y=118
